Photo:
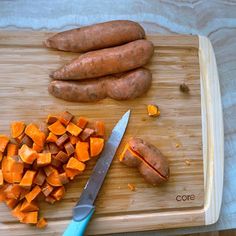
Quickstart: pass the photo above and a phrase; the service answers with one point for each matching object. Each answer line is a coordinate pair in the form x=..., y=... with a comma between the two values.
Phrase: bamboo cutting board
x=193, y=122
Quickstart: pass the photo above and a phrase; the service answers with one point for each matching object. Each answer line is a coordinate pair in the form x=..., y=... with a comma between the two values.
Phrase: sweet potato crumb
x=187, y=162
x=184, y=88
x=131, y=187
x=153, y=110
x=177, y=145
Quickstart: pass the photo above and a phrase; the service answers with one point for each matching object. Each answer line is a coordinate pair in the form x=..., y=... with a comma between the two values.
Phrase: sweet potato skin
x=107, y=61
x=96, y=36
x=151, y=163
x=119, y=87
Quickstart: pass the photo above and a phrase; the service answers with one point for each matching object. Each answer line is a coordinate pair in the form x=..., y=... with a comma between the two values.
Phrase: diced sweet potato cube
x=27, y=179
x=13, y=191
x=58, y=193
x=65, y=117
x=99, y=128
x=50, y=199
x=82, y=151
x=87, y=132
x=15, y=164
x=74, y=139
x=30, y=217
x=29, y=206
x=35, y=134
x=60, y=141
x=54, y=179
x=69, y=148
x=12, y=149
x=71, y=173
x=39, y=178
x=55, y=163
x=63, y=178
x=43, y=159
x=82, y=122
x=42, y=223
x=17, y=128
x=33, y=194
x=27, y=141
x=51, y=138
x=96, y=146
x=47, y=189
x=49, y=170
x=73, y=163
x=37, y=148
x=57, y=128
x=62, y=157
x=27, y=154
x=3, y=142
x=51, y=119
x=53, y=148
x=73, y=129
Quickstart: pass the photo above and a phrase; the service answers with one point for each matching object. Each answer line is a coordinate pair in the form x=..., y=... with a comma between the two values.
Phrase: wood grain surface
x=215, y=19
x=25, y=66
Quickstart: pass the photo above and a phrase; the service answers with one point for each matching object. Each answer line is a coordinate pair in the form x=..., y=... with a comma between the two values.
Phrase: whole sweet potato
x=119, y=87
x=102, y=35
x=150, y=162
x=107, y=61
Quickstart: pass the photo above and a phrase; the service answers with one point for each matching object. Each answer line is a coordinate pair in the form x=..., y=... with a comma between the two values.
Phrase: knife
x=85, y=208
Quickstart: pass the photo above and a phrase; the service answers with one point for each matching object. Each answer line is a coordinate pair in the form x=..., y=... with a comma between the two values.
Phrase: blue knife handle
x=79, y=223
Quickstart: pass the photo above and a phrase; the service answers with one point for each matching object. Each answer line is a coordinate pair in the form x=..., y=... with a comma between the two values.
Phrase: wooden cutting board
x=191, y=121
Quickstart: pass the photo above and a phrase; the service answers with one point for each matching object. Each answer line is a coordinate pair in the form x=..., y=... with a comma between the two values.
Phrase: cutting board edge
x=213, y=131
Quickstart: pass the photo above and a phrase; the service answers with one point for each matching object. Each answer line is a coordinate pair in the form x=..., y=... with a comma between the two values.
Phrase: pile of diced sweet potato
x=39, y=159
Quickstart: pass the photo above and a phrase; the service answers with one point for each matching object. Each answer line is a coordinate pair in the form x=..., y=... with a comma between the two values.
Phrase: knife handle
x=77, y=228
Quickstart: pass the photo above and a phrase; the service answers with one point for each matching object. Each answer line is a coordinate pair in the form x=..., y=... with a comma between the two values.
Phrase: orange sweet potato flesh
x=57, y=128
x=12, y=149
x=54, y=179
x=37, y=148
x=1, y=178
x=96, y=146
x=51, y=138
x=30, y=218
x=27, y=154
x=17, y=211
x=82, y=122
x=43, y=159
x=82, y=151
x=151, y=164
x=73, y=129
x=73, y=163
x=13, y=191
x=35, y=134
x=71, y=173
x=29, y=206
x=74, y=139
x=33, y=194
x=100, y=128
x=58, y=193
x=11, y=203
x=42, y=223
x=27, y=180
x=17, y=128
x=3, y=142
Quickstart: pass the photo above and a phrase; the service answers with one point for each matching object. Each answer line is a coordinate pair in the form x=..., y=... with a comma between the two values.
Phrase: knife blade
x=84, y=208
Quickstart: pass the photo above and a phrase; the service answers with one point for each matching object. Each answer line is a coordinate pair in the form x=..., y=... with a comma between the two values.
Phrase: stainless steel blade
x=95, y=181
